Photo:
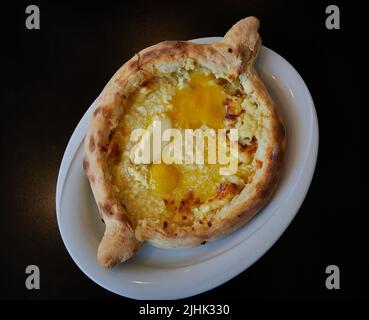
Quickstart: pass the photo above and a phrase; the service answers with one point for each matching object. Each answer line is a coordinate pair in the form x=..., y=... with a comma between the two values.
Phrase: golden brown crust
x=229, y=58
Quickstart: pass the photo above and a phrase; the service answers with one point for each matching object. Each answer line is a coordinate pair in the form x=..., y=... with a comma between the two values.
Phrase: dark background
x=50, y=77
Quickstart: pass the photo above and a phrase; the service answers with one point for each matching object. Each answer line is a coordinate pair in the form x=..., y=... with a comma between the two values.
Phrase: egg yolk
x=199, y=103
x=163, y=178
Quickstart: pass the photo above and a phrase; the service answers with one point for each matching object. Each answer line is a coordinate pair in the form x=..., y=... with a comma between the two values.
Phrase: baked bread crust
x=232, y=57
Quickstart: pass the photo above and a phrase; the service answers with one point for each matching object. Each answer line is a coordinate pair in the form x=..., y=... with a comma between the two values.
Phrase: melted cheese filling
x=181, y=194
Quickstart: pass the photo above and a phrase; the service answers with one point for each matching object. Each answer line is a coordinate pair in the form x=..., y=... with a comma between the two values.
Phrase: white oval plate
x=178, y=273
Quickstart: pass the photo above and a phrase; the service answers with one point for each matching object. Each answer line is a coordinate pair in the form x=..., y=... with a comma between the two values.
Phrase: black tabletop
x=50, y=77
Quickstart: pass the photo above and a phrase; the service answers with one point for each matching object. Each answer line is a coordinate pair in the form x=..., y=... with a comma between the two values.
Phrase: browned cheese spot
x=258, y=164
x=92, y=144
x=107, y=112
x=103, y=147
x=97, y=111
x=114, y=152
x=85, y=164
x=108, y=208
x=147, y=84
x=238, y=93
x=226, y=190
